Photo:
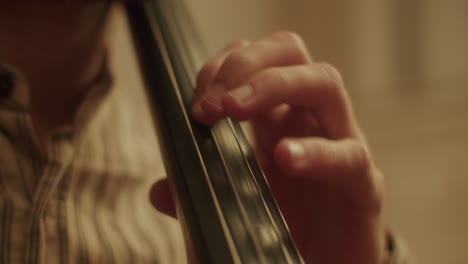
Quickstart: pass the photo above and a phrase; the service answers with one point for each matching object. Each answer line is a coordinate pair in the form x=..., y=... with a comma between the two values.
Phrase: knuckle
x=331, y=87
x=239, y=59
x=361, y=158
x=289, y=36
x=237, y=44
x=331, y=71
x=332, y=81
x=325, y=155
x=275, y=76
x=206, y=73
x=295, y=41
x=322, y=155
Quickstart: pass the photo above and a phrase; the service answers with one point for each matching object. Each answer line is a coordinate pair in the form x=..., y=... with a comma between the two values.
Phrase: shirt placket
x=60, y=153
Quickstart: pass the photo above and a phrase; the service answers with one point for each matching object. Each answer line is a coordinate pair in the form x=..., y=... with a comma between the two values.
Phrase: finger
x=283, y=121
x=208, y=72
x=280, y=49
x=343, y=162
x=161, y=198
x=313, y=86
x=315, y=157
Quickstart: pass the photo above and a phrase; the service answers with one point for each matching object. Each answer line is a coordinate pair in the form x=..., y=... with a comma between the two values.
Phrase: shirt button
x=6, y=84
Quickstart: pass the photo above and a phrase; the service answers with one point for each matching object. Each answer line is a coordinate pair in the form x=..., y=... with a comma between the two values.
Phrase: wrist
x=363, y=242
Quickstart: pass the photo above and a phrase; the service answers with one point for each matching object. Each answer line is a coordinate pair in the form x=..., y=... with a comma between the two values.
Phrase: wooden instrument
x=224, y=202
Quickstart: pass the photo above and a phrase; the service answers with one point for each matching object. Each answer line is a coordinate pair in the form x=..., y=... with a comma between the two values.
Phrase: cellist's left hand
x=307, y=142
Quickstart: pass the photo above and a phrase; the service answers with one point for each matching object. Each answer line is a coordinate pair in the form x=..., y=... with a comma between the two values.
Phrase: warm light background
x=406, y=66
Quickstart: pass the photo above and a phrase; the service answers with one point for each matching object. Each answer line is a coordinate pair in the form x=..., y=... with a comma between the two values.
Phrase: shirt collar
x=14, y=96
x=14, y=91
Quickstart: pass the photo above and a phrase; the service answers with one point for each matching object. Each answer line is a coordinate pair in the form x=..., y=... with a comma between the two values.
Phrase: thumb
x=344, y=163
x=161, y=198
x=314, y=157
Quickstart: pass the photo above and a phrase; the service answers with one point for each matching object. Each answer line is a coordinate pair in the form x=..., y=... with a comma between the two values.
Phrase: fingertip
x=205, y=112
x=236, y=102
x=212, y=112
x=199, y=114
x=197, y=111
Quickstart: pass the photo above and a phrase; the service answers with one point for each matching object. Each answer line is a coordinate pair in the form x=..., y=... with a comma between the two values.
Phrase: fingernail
x=296, y=152
x=242, y=94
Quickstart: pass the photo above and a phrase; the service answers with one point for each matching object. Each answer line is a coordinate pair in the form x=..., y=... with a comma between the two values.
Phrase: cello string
x=236, y=204
x=164, y=51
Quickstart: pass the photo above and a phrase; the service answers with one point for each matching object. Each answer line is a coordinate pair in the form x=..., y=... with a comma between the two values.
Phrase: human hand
x=307, y=142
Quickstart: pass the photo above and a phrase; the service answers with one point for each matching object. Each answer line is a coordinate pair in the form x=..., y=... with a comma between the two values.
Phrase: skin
x=306, y=137
x=307, y=141
x=54, y=45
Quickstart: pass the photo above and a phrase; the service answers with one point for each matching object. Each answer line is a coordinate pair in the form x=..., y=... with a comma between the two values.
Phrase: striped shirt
x=84, y=199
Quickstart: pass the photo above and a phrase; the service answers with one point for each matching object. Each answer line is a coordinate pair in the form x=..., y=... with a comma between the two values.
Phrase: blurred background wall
x=406, y=67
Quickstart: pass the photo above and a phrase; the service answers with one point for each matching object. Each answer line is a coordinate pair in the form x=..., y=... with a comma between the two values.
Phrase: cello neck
x=228, y=212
